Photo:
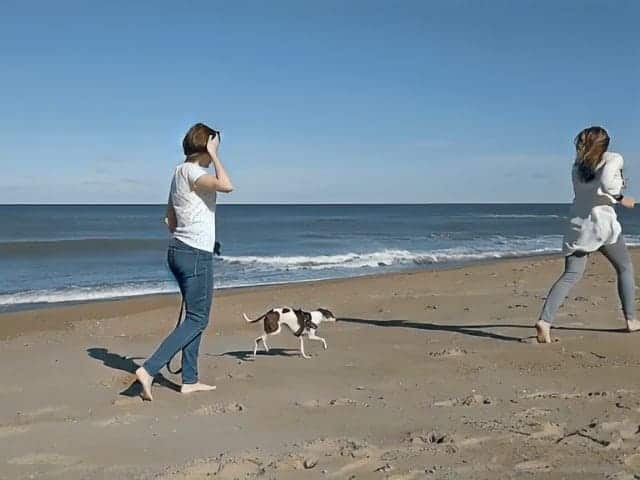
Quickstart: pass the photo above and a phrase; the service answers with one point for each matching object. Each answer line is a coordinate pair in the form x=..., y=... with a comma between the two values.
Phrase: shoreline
x=11, y=309
x=163, y=298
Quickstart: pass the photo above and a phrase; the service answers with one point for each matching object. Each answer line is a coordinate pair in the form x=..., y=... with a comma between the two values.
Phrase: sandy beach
x=427, y=375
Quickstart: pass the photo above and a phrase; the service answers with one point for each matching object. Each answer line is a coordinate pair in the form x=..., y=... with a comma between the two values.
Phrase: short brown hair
x=591, y=143
x=195, y=141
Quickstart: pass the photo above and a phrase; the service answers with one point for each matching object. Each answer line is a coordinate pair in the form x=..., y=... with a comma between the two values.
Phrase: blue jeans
x=193, y=270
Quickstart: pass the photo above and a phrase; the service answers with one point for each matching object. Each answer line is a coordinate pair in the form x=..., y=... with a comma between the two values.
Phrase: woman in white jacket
x=597, y=184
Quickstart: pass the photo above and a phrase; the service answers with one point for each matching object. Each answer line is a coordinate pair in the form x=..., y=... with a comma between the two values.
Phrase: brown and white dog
x=301, y=323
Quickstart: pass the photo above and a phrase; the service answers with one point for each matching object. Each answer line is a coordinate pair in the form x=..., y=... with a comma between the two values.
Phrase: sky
x=318, y=102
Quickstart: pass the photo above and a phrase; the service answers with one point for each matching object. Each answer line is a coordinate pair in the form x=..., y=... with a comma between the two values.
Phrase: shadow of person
x=127, y=364
x=248, y=354
x=114, y=360
x=589, y=329
x=472, y=330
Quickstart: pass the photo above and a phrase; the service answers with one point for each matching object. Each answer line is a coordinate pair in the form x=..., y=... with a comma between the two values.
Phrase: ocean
x=62, y=253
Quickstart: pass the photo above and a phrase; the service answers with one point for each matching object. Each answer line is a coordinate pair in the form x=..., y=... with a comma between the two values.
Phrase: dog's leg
x=313, y=336
x=264, y=337
x=255, y=346
x=304, y=355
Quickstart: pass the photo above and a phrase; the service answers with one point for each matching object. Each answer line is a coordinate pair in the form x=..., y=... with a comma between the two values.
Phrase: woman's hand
x=220, y=182
x=171, y=220
x=212, y=145
x=628, y=202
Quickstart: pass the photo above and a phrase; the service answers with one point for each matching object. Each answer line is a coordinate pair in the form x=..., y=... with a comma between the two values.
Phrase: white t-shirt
x=195, y=211
x=593, y=220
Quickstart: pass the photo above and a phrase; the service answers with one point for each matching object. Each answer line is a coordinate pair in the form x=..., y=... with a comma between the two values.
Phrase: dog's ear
x=326, y=313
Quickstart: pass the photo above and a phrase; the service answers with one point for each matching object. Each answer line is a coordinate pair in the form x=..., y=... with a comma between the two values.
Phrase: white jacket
x=593, y=220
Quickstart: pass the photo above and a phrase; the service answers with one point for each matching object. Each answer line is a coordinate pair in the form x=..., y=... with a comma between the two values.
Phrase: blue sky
x=334, y=101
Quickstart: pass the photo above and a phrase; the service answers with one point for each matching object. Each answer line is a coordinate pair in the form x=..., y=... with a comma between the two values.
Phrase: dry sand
x=427, y=375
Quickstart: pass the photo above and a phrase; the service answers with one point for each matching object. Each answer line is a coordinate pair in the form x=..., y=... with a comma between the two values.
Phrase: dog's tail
x=253, y=321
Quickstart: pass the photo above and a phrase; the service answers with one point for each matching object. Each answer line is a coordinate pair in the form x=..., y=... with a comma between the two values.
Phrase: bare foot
x=543, y=331
x=196, y=387
x=633, y=325
x=145, y=380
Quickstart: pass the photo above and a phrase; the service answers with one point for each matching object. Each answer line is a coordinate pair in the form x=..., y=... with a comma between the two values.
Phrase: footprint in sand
x=126, y=401
x=627, y=429
x=245, y=465
x=41, y=414
x=226, y=469
x=346, y=456
x=475, y=441
x=517, y=305
x=621, y=476
x=533, y=466
x=236, y=376
x=220, y=409
x=610, y=435
x=240, y=468
x=120, y=380
x=362, y=458
x=366, y=463
x=126, y=419
x=471, y=400
x=356, y=454
x=428, y=438
x=549, y=430
x=43, y=459
x=549, y=395
x=448, y=352
x=346, y=402
x=337, y=402
x=532, y=412
x=343, y=447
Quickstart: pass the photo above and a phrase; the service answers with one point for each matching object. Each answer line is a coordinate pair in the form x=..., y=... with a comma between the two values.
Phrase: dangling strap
x=177, y=325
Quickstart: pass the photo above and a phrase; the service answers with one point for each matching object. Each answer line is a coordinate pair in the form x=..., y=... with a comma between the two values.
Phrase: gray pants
x=574, y=266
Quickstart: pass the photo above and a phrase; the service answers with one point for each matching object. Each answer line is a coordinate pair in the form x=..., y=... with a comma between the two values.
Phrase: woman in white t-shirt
x=191, y=216
x=598, y=184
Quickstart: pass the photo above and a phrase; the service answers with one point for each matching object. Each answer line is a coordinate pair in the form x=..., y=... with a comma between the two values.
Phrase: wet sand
x=427, y=375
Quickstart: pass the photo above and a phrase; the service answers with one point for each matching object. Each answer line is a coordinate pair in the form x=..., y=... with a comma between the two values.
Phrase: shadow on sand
x=472, y=330
x=247, y=355
x=127, y=364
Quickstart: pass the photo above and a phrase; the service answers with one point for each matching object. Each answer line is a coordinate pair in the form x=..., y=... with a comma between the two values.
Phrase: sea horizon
x=58, y=253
